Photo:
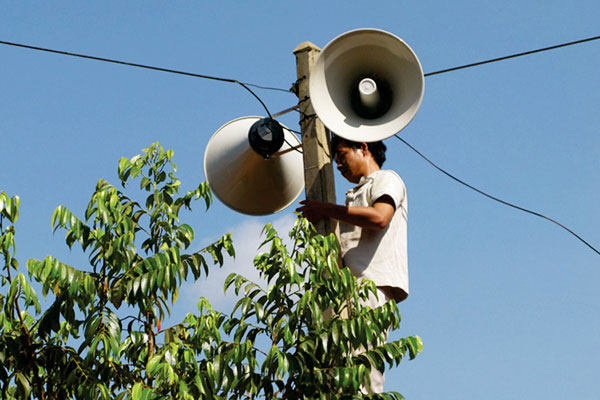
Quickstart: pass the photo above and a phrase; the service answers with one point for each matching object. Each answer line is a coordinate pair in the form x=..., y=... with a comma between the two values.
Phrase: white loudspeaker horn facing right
x=366, y=85
x=253, y=165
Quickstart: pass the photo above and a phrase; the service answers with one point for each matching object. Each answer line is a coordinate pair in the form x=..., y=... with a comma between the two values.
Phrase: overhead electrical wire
x=130, y=64
x=506, y=203
x=525, y=53
x=246, y=84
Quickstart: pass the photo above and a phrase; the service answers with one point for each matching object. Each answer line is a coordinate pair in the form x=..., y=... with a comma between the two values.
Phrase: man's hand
x=313, y=210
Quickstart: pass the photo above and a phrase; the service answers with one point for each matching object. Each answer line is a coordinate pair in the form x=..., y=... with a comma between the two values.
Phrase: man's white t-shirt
x=379, y=255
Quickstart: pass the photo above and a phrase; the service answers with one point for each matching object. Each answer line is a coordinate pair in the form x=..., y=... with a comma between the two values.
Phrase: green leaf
x=104, y=391
x=153, y=364
x=23, y=384
x=136, y=391
x=414, y=345
x=50, y=320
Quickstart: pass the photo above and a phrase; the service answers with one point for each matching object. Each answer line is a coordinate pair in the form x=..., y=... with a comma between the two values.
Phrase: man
x=372, y=223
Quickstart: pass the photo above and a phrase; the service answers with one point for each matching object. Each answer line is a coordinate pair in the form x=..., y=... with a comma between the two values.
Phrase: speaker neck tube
x=369, y=95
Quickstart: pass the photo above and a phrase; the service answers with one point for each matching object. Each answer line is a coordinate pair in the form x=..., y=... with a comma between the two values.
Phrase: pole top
x=306, y=46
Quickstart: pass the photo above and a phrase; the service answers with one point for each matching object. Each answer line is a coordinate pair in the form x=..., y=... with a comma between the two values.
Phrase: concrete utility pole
x=318, y=170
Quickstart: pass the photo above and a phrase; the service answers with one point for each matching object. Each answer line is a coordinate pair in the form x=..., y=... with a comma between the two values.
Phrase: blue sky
x=506, y=303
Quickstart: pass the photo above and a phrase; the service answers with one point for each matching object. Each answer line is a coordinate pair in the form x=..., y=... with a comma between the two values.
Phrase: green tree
x=101, y=337
x=87, y=344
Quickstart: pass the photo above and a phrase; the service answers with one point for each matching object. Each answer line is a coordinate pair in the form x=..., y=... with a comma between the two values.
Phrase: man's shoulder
x=387, y=176
x=388, y=182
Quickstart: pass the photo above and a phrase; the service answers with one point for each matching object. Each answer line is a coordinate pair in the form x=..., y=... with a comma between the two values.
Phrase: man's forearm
x=376, y=217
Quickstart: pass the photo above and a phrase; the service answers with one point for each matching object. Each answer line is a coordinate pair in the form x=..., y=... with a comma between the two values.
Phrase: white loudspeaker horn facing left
x=366, y=85
x=249, y=182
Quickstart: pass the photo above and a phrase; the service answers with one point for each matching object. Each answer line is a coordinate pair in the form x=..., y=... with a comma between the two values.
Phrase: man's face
x=350, y=162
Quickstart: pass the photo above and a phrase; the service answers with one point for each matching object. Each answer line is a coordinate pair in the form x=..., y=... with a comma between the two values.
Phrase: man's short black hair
x=377, y=149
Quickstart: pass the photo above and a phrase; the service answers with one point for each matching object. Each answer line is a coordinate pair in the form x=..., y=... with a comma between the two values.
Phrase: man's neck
x=370, y=167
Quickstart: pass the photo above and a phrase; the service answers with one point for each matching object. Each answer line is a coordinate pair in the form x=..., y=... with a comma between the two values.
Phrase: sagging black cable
x=150, y=67
x=495, y=198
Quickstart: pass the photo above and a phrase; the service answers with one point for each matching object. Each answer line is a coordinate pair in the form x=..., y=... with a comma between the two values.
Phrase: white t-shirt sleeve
x=388, y=183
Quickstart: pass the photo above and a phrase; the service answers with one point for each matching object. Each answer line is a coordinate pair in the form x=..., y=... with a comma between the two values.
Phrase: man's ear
x=364, y=148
